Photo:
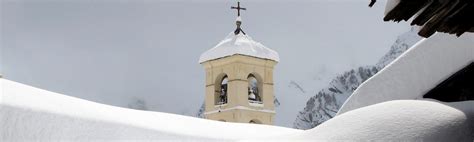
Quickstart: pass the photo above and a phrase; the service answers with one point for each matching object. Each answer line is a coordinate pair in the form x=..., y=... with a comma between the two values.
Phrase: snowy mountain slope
x=32, y=114
x=403, y=42
x=200, y=113
x=325, y=104
x=138, y=104
x=417, y=71
x=297, y=86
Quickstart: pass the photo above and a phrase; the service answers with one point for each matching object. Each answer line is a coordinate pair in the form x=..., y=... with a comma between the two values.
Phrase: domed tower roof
x=239, y=44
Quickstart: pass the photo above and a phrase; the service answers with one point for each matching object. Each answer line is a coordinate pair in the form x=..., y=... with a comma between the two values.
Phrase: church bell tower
x=239, y=79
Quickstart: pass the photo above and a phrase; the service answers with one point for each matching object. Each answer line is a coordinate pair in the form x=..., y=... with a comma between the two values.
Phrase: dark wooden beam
x=401, y=12
x=429, y=12
x=437, y=20
x=449, y=16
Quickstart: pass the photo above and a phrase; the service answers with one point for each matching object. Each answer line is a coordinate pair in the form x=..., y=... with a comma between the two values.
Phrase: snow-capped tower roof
x=239, y=43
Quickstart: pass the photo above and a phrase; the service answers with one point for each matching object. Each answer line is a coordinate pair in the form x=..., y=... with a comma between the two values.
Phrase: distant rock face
x=403, y=42
x=138, y=104
x=200, y=113
x=325, y=104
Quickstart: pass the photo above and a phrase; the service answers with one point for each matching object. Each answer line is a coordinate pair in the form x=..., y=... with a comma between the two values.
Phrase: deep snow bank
x=416, y=71
x=400, y=120
x=32, y=114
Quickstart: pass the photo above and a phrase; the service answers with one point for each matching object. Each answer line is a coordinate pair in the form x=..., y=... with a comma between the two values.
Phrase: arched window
x=221, y=92
x=253, y=89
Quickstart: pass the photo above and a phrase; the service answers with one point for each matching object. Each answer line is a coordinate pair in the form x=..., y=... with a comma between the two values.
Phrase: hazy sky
x=111, y=51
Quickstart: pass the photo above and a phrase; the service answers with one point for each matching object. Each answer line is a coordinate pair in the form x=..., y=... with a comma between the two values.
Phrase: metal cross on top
x=238, y=8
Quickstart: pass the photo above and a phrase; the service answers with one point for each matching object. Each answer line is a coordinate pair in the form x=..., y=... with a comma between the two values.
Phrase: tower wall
x=238, y=109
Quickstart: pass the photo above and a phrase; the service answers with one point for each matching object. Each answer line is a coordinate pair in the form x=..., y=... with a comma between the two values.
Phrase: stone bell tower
x=239, y=79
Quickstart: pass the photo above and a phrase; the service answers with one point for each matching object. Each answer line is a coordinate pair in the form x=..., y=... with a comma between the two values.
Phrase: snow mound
x=401, y=120
x=414, y=73
x=32, y=114
x=239, y=44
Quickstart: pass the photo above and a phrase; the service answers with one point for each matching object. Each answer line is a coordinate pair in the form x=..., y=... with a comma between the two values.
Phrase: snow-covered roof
x=415, y=72
x=239, y=44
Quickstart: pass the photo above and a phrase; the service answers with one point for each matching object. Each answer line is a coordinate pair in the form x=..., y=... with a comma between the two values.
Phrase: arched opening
x=220, y=96
x=255, y=121
x=254, y=91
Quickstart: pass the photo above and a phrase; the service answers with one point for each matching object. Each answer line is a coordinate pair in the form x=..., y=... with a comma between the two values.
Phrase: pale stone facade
x=237, y=68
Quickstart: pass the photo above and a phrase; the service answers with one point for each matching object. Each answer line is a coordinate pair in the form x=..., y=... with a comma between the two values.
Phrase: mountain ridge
x=325, y=104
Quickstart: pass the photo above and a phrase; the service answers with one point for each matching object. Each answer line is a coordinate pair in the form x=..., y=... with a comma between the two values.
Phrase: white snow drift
x=402, y=120
x=32, y=114
x=415, y=72
x=239, y=44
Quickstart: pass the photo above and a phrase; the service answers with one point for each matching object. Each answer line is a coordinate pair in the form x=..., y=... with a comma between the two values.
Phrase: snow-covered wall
x=416, y=71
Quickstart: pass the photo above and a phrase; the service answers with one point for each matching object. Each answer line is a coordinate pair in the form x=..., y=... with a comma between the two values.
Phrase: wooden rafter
x=448, y=16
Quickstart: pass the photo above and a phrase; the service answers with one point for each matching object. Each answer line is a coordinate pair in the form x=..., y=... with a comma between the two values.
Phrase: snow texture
x=325, y=104
x=239, y=45
x=32, y=114
x=415, y=72
x=400, y=120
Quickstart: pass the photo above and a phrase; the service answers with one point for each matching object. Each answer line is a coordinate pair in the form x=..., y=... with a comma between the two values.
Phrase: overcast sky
x=111, y=52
